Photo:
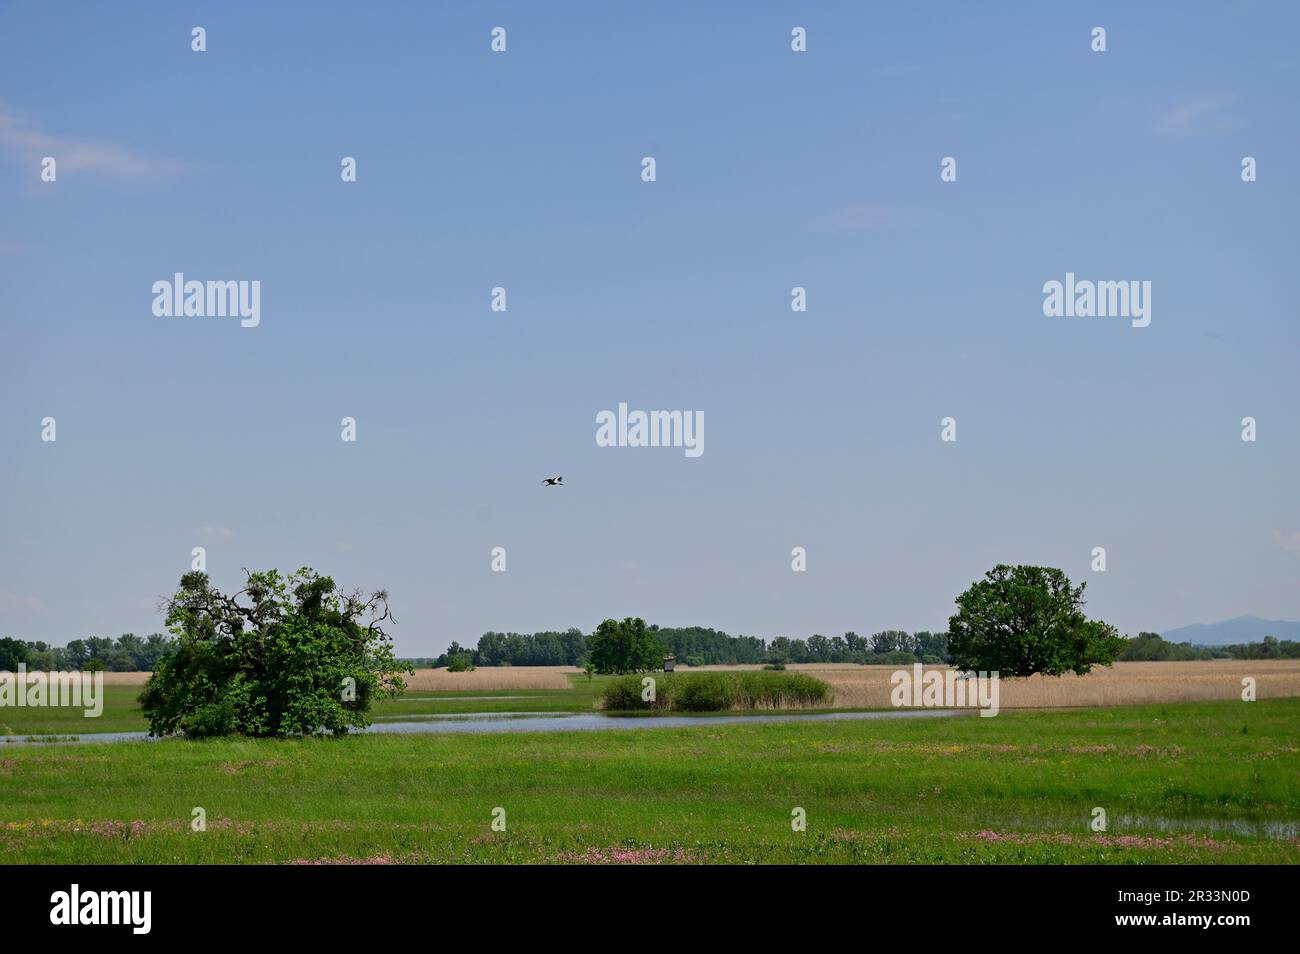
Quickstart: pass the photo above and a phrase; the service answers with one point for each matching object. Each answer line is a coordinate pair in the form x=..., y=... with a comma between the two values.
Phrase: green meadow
x=1179, y=783
x=121, y=712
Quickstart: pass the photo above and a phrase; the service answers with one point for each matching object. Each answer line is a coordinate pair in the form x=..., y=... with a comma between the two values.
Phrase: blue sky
x=775, y=169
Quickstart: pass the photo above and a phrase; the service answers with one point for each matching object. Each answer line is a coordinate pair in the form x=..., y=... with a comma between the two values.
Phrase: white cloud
x=1204, y=113
x=30, y=143
x=1287, y=541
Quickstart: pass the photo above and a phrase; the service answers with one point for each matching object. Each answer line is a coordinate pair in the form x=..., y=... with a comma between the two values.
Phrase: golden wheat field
x=1124, y=684
x=126, y=678
x=486, y=680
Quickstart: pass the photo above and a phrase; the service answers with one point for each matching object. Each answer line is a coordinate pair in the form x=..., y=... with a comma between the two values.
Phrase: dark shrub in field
x=461, y=662
x=705, y=692
x=895, y=657
x=779, y=690
x=718, y=692
x=624, y=694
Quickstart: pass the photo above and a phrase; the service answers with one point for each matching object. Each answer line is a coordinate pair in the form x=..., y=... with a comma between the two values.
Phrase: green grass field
x=1021, y=787
x=122, y=712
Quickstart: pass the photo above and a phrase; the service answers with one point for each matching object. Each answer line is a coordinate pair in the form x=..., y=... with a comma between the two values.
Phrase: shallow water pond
x=487, y=722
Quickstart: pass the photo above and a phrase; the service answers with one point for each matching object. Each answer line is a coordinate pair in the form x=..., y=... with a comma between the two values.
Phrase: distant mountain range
x=1243, y=629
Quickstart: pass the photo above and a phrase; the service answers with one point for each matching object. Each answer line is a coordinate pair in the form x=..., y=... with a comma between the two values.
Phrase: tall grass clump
x=717, y=692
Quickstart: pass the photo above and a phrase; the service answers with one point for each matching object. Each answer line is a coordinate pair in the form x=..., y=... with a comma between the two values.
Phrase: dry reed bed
x=1124, y=684
x=126, y=678
x=868, y=687
x=489, y=679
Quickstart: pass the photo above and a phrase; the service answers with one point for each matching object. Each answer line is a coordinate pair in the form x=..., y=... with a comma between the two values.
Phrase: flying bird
x=554, y=481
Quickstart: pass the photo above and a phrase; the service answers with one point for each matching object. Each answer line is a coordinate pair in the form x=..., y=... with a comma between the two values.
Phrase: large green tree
x=625, y=647
x=283, y=656
x=1020, y=620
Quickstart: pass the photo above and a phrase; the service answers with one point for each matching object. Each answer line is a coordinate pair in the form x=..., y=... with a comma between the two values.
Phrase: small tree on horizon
x=460, y=662
x=620, y=648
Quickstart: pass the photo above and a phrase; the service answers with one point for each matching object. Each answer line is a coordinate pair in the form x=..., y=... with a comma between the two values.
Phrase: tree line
x=1152, y=647
x=126, y=653
x=703, y=646
x=691, y=645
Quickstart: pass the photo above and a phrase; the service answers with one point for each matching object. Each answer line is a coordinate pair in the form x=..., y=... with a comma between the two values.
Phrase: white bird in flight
x=554, y=481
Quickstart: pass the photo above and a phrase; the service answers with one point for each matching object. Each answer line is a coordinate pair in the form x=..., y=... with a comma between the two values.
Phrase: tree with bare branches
x=285, y=655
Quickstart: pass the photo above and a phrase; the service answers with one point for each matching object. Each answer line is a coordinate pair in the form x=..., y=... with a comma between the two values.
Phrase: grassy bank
x=1020, y=787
